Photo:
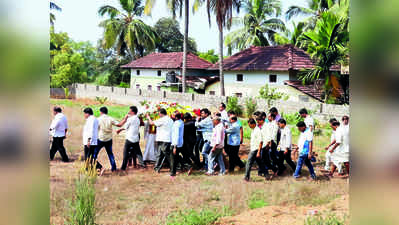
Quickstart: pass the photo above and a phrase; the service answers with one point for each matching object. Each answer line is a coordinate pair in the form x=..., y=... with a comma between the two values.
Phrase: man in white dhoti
x=329, y=147
x=150, y=152
x=340, y=150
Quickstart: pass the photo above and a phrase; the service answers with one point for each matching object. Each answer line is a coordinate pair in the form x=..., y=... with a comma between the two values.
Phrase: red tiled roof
x=168, y=60
x=273, y=58
x=308, y=89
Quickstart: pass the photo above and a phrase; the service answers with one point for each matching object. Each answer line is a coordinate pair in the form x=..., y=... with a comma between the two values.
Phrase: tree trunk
x=185, y=41
x=221, y=76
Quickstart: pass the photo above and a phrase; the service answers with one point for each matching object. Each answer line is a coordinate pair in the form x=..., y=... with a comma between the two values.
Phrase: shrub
x=232, y=104
x=66, y=92
x=330, y=219
x=124, y=85
x=102, y=80
x=256, y=200
x=193, y=217
x=101, y=100
x=270, y=93
x=250, y=105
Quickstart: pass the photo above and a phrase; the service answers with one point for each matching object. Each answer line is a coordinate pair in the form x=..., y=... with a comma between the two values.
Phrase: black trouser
x=58, y=145
x=130, y=150
x=276, y=160
x=234, y=159
x=251, y=159
x=163, y=154
x=288, y=159
x=108, y=148
x=176, y=159
x=266, y=155
x=198, y=147
x=89, y=154
x=188, y=154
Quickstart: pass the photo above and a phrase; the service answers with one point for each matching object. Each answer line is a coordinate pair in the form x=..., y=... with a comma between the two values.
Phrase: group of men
x=181, y=139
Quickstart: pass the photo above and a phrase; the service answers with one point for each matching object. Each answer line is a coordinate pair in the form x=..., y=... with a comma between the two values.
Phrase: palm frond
x=55, y=6
x=294, y=11
x=149, y=4
x=111, y=11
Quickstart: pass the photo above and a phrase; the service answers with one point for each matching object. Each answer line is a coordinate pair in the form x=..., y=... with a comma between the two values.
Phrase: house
x=163, y=70
x=247, y=71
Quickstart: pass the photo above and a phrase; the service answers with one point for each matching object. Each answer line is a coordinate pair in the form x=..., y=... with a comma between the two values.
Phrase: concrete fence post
x=140, y=92
x=193, y=97
x=321, y=108
x=85, y=86
x=97, y=88
x=125, y=91
x=164, y=94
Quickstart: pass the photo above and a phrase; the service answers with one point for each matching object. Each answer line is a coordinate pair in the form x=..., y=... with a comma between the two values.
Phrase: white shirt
x=90, y=130
x=132, y=127
x=177, y=133
x=303, y=142
x=224, y=117
x=164, y=129
x=59, y=125
x=218, y=135
x=309, y=121
x=272, y=128
x=285, y=138
x=256, y=138
x=265, y=134
x=342, y=137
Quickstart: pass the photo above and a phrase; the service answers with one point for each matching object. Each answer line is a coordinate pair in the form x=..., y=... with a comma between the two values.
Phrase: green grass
x=330, y=219
x=193, y=217
x=257, y=200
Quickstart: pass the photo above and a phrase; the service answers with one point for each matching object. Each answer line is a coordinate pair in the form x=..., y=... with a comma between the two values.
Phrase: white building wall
x=148, y=77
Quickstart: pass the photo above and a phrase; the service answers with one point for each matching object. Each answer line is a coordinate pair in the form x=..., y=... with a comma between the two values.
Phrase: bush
x=330, y=219
x=102, y=80
x=232, y=104
x=250, y=105
x=256, y=200
x=124, y=85
x=193, y=217
x=270, y=93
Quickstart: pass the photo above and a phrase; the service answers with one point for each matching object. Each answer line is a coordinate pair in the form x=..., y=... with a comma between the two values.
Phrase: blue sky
x=80, y=20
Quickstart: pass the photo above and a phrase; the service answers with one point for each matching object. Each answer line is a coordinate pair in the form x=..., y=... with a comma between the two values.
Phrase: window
x=239, y=95
x=138, y=72
x=212, y=92
x=240, y=77
x=272, y=78
x=150, y=87
x=137, y=86
x=159, y=73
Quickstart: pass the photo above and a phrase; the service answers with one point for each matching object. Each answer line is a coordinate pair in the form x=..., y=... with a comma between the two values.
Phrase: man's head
x=187, y=116
x=133, y=110
x=303, y=112
x=177, y=115
x=282, y=123
x=222, y=107
x=233, y=119
x=103, y=110
x=251, y=123
x=274, y=111
x=87, y=112
x=260, y=120
x=331, y=121
x=162, y=112
x=335, y=125
x=231, y=113
x=345, y=120
x=263, y=115
x=204, y=113
x=216, y=120
x=56, y=110
x=301, y=126
x=271, y=117
x=256, y=114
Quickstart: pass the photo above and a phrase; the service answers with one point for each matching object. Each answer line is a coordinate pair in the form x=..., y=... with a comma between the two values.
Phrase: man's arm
x=331, y=144
x=150, y=121
x=123, y=121
x=241, y=135
x=310, y=149
x=288, y=141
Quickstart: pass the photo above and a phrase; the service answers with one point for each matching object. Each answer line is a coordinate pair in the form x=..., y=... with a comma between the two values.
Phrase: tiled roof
x=169, y=60
x=272, y=58
x=309, y=89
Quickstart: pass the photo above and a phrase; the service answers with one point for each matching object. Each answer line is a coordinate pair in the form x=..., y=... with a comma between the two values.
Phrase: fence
x=322, y=111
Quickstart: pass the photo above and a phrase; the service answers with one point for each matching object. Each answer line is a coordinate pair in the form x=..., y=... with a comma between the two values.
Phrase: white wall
x=255, y=77
x=148, y=77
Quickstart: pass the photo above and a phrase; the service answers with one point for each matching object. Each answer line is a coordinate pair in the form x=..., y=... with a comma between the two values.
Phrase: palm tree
x=259, y=25
x=124, y=31
x=313, y=11
x=53, y=6
x=223, y=10
x=327, y=44
x=291, y=37
x=177, y=5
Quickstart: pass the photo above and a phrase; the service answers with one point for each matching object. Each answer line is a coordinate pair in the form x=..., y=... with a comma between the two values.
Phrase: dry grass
x=143, y=197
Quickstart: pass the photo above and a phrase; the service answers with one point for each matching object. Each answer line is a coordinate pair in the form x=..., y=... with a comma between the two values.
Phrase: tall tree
x=327, y=44
x=291, y=37
x=223, y=11
x=174, y=6
x=124, y=31
x=259, y=25
x=53, y=6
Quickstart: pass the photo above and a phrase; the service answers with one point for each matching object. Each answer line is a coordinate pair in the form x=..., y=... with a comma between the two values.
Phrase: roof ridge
x=290, y=57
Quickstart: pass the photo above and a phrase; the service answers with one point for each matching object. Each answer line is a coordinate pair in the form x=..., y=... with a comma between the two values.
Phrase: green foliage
x=170, y=37
x=66, y=92
x=101, y=100
x=246, y=129
x=291, y=118
x=330, y=219
x=124, y=85
x=193, y=217
x=232, y=104
x=209, y=56
x=250, y=106
x=102, y=80
x=257, y=200
x=270, y=93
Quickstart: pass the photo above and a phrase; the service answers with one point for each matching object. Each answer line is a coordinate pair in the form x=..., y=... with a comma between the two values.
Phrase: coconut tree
x=291, y=37
x=124, y=31
x=312, y=12
x=327, y=45
x=223, y=11
x=53, y=6
x=259, y=25
x=177, y=6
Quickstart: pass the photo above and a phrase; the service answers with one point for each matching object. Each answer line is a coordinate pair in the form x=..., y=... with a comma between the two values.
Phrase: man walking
x=90, y=137
x=58, y=129
x=217, y=144
x=189, y=139
x=285, y=144
x=233, y=144
x=255, y=147
x=177, y=146
x=271, y=140
x=132, y=142
x=305, y=148
x=205, y=126
x=163, y=138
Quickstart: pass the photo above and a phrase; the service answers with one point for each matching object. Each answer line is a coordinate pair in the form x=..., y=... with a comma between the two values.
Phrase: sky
x=79, y=18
